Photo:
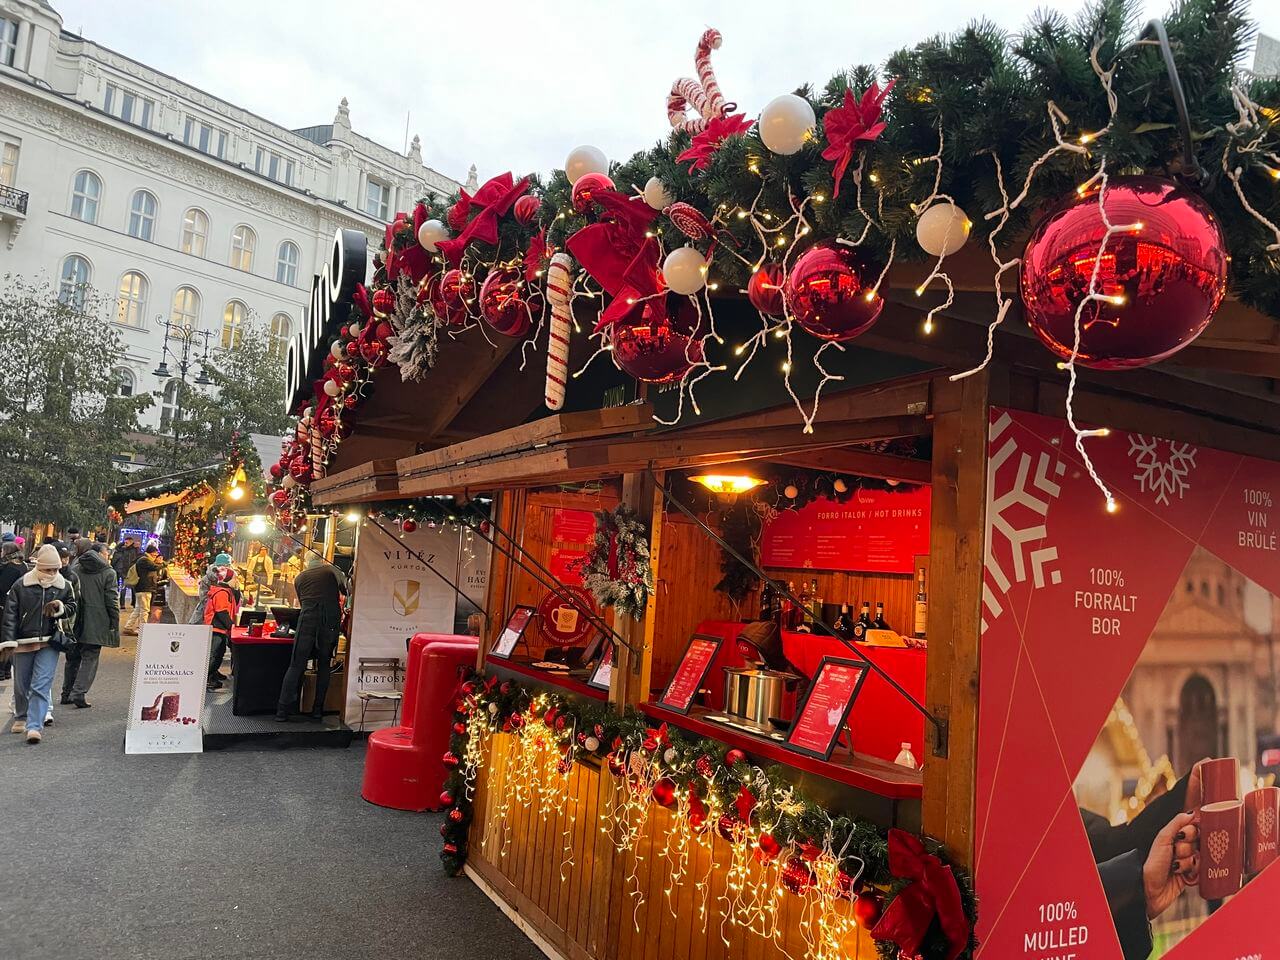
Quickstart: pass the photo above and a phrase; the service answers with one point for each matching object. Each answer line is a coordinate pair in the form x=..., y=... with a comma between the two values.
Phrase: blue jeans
x=32, y=680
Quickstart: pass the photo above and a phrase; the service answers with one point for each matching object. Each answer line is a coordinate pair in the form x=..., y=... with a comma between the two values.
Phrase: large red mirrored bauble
x=585, y=189
x=1165, y=277
x=456, y=288
x=830, y=292
x=764, y=289
x=657, y=341
x=504, y=302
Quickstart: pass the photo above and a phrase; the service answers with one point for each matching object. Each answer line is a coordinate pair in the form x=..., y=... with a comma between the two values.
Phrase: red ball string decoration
x=657, y=340
x=831, y=293
x=1158, y=282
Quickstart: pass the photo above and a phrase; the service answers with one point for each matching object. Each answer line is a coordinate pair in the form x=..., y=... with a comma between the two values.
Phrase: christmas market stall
x=876, y=485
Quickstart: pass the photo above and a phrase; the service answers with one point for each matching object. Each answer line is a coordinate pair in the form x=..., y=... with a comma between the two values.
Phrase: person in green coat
x=97, y=620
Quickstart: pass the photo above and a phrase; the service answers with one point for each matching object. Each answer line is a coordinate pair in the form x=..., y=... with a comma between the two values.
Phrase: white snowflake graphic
x=1008, y=494
x=1161, y=477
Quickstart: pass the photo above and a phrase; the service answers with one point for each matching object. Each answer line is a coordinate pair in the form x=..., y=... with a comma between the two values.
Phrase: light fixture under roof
x=728, y=482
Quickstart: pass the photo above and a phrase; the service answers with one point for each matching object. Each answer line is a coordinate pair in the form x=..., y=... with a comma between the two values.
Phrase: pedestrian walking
x=221, y=607
x=150, y=568
x=35, y=611
x=122, y=562
x=97, y=623
x=208, y=579
x=320, y=588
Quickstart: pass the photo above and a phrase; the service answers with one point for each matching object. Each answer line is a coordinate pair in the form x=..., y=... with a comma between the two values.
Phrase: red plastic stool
x=402, y=768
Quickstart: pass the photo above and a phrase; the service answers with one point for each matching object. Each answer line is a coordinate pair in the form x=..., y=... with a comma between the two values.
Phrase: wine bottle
x=815, y=602
x=804, y=615
x=922, y=606
x=863, y=623
x=766, y=601
x=787, y=608
x=844, y=622
x=879, y=623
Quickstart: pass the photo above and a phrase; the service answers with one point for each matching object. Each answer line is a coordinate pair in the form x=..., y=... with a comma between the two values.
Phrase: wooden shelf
x=570, y=684
x=861, y=772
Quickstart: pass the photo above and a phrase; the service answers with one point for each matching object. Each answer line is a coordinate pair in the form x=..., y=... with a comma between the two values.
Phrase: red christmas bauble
x=456, y=815
x=373, y=351
x=384, y=331
x=664, y=792
x=827, y=290
x=450, y=848
x=796, y=875
x=526, y=209
x=460, y=728
x=456, y=288
x=734, y=756
x=657, y=340
x=350, y=402
x=1164, y=277
x=764, y=290
x=730, y=827
x=408, y=525
x=504, y=302
x=444, y=829
x=866, y=910
x=446, y=799
x=617, y=766
x=300, y=469
x=345, y=371
x=384, y=301
x=277, y=471
x=279, y=497
x=769, y=847
x=585, y=189
x=450, y=759
x=284, y=517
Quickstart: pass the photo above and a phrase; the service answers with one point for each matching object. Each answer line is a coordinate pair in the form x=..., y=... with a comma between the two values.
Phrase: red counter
x=551, y=678
x=882, y=719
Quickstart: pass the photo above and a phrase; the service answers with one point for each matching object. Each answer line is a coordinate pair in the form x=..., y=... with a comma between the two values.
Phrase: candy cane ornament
x=559, y=287
x=703, y=94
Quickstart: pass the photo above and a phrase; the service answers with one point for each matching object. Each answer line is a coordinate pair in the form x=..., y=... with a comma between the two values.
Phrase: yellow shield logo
x=405, y=597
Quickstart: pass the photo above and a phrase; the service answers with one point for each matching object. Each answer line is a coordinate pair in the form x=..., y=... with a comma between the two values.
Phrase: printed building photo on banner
x=1129, y=716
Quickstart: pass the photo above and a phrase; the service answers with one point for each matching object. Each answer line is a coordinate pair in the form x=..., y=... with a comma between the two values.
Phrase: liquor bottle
x=787, y=608
x=863, y=623
x=879, y=623
x=767, y=600
x=804, y=615
x=844, y=622
x=922, y=606
x=815, y=603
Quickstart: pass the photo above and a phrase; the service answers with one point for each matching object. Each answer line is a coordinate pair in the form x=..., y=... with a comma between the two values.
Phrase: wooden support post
x=955, y=597
x=630, y=684
x=508, y=511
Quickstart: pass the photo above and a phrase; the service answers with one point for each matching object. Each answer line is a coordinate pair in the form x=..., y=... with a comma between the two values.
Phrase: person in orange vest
x=221, y=607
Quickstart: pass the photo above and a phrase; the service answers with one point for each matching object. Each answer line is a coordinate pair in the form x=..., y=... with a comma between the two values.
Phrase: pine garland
x=616, y=569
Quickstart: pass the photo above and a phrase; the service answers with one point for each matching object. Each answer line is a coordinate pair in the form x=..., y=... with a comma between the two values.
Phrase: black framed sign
x=686, y=681
x=512, y=633
x=602, y=673
x=826, y=707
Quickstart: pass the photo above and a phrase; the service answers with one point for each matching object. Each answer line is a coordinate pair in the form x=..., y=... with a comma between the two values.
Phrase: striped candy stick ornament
x=703, y=94
x=559, y=285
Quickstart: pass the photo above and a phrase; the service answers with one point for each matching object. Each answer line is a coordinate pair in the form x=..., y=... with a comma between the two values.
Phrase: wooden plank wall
x=548, y=867
x=898, y=591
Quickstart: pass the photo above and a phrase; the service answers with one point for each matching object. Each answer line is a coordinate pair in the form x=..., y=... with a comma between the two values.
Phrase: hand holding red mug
x=1172, y=864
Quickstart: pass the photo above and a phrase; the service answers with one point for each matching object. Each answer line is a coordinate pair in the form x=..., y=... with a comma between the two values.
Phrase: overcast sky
x=515, y=85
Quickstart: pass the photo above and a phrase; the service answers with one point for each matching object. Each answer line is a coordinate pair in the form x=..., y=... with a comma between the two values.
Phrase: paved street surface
x=233, y=854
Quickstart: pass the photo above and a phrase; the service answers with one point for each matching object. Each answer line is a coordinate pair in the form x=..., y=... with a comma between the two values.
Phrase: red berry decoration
x=526, y=209
x=866, y=910
x=408, y=525
x=455, y=815
x=827, y=290
x=664, y=792
x=764, y=290
x=734, y=757
x=505, y=303
x=657, y=340
x=384, y=301
x=446, y=799
x=456, y=288
x=1164, y=278
x=769, y=848
x=450, y=760
x=704, y=766
x=585, y=189
x=796, y=875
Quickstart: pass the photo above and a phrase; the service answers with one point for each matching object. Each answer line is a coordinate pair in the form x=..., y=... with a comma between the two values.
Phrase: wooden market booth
x=486, y=432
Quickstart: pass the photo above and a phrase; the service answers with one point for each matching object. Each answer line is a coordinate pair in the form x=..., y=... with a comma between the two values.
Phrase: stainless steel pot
x=755, y=694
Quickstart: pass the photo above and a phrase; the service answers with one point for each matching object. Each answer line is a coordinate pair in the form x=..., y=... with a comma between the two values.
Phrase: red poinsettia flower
x=846, y=125
x=538, y=253
x=710, y=140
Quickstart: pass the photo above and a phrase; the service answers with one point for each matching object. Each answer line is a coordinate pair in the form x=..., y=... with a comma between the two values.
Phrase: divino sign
x=331, y=301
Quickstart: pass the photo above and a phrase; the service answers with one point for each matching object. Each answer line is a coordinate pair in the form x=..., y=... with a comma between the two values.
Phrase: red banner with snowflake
x=1119, y=652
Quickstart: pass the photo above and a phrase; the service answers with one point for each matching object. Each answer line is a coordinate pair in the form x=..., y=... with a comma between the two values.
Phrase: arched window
x=74, y=281
x=123, y=381
x=195, y=232
x=169, y=404
x=131, y=299
x=85, y=193
x=243, y=240
x=232, y=324
x=142, y=215
x=186, y=307
x=287, y=263
x=281, y=331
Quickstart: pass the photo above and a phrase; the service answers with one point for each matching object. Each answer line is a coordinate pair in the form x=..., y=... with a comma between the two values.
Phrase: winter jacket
x=25, y=626
x=207, y=579
x=221, y=608
x=98, y=618
x=10, y=573
x=150, y=572
x=125, y=557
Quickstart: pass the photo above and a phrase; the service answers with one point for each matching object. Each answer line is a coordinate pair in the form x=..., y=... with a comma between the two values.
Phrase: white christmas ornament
x=337, y=350
x=584, y=160
x=669, y=756
x=431, y=233
x=493, y=709
x=592, y=744
x=685, y=270
x=331, y=388
x=657, y=195
x=942, y=229
x=785, y=123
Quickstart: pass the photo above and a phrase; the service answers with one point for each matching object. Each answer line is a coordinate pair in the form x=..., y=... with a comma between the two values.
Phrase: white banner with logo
x=396, y=596
x=166, y=701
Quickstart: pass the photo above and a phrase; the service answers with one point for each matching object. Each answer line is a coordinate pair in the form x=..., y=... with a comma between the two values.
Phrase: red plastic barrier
x=402, y=767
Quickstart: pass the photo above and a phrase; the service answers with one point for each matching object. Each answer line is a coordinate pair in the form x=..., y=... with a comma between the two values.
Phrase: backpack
x=131, y=578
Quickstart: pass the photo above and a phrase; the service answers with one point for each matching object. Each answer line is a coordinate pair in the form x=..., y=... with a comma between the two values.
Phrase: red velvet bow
x=853, y=121
x=617, y=254
x=744, y=804
x=407, y=255
x=711, y=139
x=361, y=299
x=495, y=200
x=933, y=892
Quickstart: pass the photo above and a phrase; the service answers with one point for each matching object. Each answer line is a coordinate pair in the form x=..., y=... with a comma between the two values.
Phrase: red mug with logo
x=1261, y=828
x=1220, y=779
x=1221, y=848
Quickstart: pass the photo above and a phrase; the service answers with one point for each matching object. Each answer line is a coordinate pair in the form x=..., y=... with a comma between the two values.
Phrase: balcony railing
x=11, y=198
